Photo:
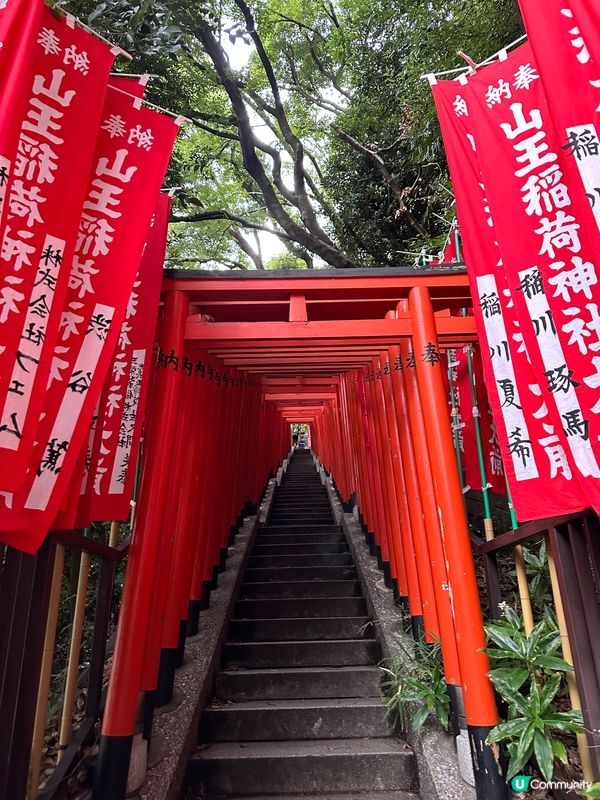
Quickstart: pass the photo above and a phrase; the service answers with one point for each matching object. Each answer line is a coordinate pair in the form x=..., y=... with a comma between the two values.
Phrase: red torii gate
x=305, y=340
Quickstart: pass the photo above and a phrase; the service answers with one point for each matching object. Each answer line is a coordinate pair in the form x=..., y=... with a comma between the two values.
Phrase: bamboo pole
x=115, y=534
x=66, y=722
x=582, y=743
x=41, y=711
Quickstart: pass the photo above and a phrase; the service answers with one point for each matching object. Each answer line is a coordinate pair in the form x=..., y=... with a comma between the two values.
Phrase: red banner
x=131, y=159
x=538, y=487
x=538, y=211
x=44, y=203
x=132, y=84
x=110, y=478
x=561, y=48
x=19, y=28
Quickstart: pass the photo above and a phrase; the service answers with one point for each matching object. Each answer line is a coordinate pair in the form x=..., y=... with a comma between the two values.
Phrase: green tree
x=324, y=136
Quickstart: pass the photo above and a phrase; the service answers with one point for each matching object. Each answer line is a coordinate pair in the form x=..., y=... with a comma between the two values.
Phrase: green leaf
x=548, y=693
x=510, y=695
x=418, y=719
x=513, y=676
x=504, y=641
x=507, y=730
x=559, y=750
x=593, y=791
x=553, y=663
x=543, y=754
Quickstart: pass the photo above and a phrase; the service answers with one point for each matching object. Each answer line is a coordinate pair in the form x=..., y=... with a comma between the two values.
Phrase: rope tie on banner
x=138, y=102
x=500, y=54
x=144, y=76
x=476, y=412
x=73, y=21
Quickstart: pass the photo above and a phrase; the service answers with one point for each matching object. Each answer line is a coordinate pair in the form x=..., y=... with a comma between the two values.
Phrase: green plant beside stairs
x=422, y=691
x=527, y=674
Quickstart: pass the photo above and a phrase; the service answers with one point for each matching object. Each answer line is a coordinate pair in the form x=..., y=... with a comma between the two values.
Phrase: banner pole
x=455, y=417
x=485, y=489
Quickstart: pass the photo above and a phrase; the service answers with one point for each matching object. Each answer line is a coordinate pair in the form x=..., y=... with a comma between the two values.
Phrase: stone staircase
x=298, y=709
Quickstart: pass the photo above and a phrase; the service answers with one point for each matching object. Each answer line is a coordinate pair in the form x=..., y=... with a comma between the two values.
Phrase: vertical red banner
x=19, y=29
x=538, y=211
x=57, y=137
x=131, y=159
x=110, y=481
x=520, y=413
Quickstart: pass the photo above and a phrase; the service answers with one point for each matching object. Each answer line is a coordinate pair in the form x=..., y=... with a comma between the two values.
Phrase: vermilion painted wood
x=404, y=462
x=417, y=587
x=164, y=575
x=396, y=533
x=430, y=514
x=121, y=703
x=480, y=705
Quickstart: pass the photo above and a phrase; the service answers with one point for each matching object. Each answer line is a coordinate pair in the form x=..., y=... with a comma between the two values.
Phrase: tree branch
x=319, y=244
x=398, y=192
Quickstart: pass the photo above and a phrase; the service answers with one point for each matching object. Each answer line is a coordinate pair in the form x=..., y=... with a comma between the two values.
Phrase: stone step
x=328, y=796
x=299, y=509
x=260, y=574
x=302, y=607
x=294, y=529
x=299, y=538
x=280, y=768
x=281, y=684
x=279, y=720
x=304, y=560
x=301, y=517
x=298, y=628
x=342, y=652
x=323, y=548
x=301, y=589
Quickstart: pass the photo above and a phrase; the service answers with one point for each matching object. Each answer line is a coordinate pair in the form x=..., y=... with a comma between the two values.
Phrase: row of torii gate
x=355, y=354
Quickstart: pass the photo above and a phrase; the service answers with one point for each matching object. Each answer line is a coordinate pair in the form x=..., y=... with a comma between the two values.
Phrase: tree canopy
x=310, y=120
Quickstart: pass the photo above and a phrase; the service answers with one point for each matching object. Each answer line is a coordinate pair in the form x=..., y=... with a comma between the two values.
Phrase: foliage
x=421, y=691
x=538, y=576
x=593, y=791
x=527, y=674
x=310, y=120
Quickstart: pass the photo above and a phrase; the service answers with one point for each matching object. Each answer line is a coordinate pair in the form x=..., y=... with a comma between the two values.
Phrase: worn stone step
x=302, y=607
x=323, y=548
x=304, y=560
x=280, y=684
x=283, y=629
x=278, y=720
x=341, y=765
x=301, y=589
x=299, y=538
x=338, y=653
x=343, y=573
